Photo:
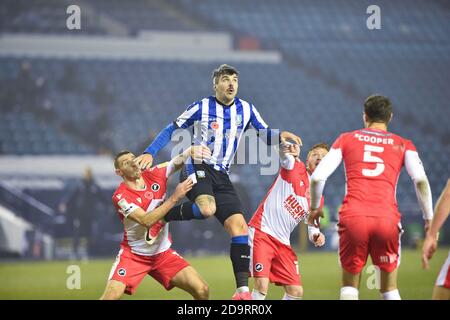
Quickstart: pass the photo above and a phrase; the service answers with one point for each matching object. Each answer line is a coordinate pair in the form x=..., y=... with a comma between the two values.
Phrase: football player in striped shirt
x=219, y=122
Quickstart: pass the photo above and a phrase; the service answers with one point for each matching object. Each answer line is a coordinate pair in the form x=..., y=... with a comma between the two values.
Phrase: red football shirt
x=373, y=160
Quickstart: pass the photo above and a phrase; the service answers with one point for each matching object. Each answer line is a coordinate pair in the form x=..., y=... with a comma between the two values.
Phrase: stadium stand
x=92, y=106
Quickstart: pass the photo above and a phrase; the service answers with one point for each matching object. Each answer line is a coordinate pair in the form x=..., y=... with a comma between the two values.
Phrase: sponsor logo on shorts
x=122, y=272
x=390, y=258
x=201, y=174
x=259, y=267
x=155, y=187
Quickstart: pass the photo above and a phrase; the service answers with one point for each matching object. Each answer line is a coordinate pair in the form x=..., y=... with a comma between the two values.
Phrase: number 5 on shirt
x=370, y=158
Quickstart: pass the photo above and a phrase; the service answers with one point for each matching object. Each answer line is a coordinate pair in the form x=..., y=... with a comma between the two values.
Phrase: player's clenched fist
x=319, y=239
x=144, y=161
x=314, y=217
x=286, y=135
x=183, y=188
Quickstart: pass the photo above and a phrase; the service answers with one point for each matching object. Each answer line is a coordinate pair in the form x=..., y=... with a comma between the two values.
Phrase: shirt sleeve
x=125, y=204
x=159, y=172
x=416, y=171
x=256, y=120
x=287, y=161
x=188, y=117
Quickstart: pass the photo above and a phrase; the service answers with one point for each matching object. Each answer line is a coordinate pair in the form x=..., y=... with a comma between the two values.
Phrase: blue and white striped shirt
x=220, y=127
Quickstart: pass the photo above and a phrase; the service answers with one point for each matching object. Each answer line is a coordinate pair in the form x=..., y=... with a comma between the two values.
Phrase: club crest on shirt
x=259, y=267
x=155, y=187
x=122, y=272
x=238, y=119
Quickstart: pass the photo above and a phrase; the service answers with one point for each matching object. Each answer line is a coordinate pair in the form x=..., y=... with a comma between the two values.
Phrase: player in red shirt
x=141, y=205
x=441, y=211
x=369, y=220
x=283, y=208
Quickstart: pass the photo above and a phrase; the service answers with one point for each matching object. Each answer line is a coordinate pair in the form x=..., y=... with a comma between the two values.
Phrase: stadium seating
x=331, y=63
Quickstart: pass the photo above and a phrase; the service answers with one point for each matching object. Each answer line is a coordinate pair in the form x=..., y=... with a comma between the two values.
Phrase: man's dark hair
x=222, y=70
x=117, y=157
x=378, y=108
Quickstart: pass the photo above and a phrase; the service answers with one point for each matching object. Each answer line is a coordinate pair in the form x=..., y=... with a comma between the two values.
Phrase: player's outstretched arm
x=148, y=219
x=197, y=153
x=416, y=171
x=145, y=160
x=441, y=212
x=285, y=136
x=287, y=153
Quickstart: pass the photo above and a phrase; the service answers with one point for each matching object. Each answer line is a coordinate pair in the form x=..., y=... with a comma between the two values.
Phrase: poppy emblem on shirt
x=148, y=195
x=155, y=187
x=214, y=125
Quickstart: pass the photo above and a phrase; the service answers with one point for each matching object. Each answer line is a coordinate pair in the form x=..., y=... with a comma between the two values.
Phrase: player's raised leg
x=113, y=291
x=190, y=281
x=206, y=204
x=237, y=228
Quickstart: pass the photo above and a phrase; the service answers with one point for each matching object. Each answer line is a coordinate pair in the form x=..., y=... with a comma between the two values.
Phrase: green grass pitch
x=320, y=276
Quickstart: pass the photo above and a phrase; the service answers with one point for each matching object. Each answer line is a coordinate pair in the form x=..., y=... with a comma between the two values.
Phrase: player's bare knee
x=208, y=210
x=207, y=205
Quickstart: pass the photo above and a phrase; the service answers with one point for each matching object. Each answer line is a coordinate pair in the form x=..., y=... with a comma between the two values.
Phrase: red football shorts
x=443, y=279
x=360, y=236
x=272, y=259
x=130, y=268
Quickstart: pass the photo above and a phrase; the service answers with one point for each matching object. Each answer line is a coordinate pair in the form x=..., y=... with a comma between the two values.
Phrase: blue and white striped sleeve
x=256, y=120
x=187, y=118
x=259, y=124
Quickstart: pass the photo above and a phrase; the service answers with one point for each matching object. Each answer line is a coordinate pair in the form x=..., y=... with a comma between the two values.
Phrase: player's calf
x=260, y=290
x=293, y=292
x=201, y=292
x=113, y=291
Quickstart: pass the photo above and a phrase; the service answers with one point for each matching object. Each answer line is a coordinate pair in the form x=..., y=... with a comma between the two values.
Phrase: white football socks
x=391, y=295
x=243, y=289
x=349, y=293
x=289, y=297
x=256, y=295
